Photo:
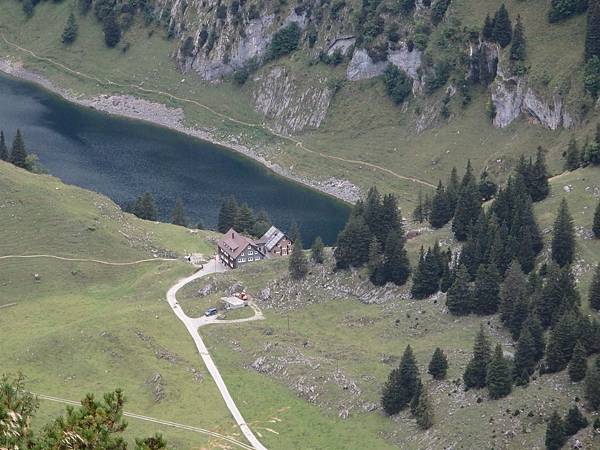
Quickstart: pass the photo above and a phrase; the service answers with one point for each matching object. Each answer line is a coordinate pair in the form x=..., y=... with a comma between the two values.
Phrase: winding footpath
x=192, y=326
x=299, y=144
x=97, y=261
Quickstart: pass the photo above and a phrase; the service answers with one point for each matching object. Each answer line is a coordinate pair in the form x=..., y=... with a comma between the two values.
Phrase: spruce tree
x=294, y=233
x=424, y=411
x=476, y=371
x=592, y=35
x=502, y=31
x=228, y=215
x=486, y=294
x=563, y=236
x=559, y=294
x=513, y=289
x=396, y=266
x=487, y=188
x=69, y=34
x=578, y=363
x=459, y=298
x=594, y=293
x=419, y=211
x=18, y=154
x=317, y=251
x=352, y=248
x=519, y=315
x=525, y=358
x=375, y=263
x=452, y=190
x=467, y=205
x=145, y=208
x=498, y=377
x=562, y=340
x=535, y=329
x=487, y=32
x=555, y=433
x=112, y=30
x=426, y=278
x=245, y=219
x=572, y=156
x=414, y=403
x=390, y=217
x=372, y=214
x=574, y=421
x=441, y=211
x=538, y=185
x=178, y=214
x=3, y=148
x=592, y=386
x=517, y=48
x=298, y=265
x=596, y=223
x=402, y=384
x=438, y=366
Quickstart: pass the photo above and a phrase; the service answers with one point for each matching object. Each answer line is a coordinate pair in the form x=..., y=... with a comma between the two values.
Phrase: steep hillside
x=302, y=86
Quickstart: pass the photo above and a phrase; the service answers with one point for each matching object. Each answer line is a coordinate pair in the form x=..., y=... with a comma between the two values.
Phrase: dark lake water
x=124, y=158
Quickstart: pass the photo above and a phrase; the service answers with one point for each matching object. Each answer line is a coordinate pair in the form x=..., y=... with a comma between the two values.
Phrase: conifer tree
x=594, y=294
x=555, y=433
x=513, y=289
x=487, y=32
x=452, y=190
x=390, y=217
x=486, y=294
x=438, y=366
x=502, y=31
x=424, y=411
x=517, y=48
x=596, y=223
x=372, y=214
x=538, y=185
x=414, y=403
x=294, y=233
x=518, y=316
x=467, y=205
x=245, y=219
x=441, y=211
x=426, y=278
x=317, y=251
x=69, y=34
x=563, y=236
x=178, y=215
x=592, y=386
x=145, y=207
x=572, y=156
x=375, y=263
x=578, y=363
x=592, y=35
x=476, y=371
x=574, y=421
x=401, y=385
x=396, y=265
x=498, y=377
x=112, y=30
x=559, y=294
x=535, y=329
x=487, y=188
x=419, y=211
x=352, y=248
x=459, y=299
x=562, y=340
x=525, y=358
x=18, y=154
x=228, y=215
x=3, y=148
x=298, y=265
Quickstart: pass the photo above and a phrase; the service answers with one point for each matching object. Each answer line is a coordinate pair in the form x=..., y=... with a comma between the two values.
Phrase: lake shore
x=173, y=118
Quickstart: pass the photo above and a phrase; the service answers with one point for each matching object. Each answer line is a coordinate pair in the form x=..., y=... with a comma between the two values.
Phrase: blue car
x=210, y=312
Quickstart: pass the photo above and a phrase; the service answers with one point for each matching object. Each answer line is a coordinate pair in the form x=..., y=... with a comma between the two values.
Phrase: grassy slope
x=362, y=123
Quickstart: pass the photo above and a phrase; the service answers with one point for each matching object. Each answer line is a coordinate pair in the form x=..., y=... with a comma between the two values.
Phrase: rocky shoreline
x=173, y=118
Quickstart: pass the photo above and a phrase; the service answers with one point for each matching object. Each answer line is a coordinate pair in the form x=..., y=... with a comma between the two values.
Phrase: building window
x=250, y=252
x=242, y=260
x=257, y=258
x=250, y=259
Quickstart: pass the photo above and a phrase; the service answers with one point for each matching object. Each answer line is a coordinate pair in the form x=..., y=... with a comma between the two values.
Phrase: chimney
x=232, y=235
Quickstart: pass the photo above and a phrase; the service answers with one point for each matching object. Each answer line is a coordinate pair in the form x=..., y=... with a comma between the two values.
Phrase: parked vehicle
x=210, y=312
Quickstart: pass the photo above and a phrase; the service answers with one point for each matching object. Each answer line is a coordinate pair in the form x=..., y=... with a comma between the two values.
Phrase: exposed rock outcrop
x=362, y=66
x=291, y=103
x=512, y=96
x=343, y=44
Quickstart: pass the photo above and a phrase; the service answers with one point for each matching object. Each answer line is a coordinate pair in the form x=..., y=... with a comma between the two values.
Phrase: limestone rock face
x=363, y=67
x=291, y=103
x=512, y=97
x=343, y=44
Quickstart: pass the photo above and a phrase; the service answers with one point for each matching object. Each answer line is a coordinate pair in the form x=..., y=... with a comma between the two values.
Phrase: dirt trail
x=297, y=143
x=168, y=423
x=97, y=261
